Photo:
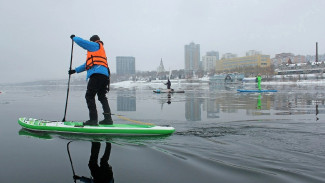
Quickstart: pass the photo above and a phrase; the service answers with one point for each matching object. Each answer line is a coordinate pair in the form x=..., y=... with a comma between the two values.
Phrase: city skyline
x=149, y=31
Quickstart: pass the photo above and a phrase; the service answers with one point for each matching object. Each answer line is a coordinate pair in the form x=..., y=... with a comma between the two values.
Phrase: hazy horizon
x=36, y=40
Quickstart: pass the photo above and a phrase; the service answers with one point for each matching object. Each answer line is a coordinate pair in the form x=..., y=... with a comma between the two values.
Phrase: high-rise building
x=192, y=57
x=125, y=65
x=209, y=60
x=209, y=63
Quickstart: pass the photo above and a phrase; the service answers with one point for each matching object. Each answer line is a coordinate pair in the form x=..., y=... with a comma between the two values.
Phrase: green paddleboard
x=78, y=128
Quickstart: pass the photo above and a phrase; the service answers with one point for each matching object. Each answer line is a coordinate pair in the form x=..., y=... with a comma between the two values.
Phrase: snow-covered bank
x=177, y=84
x=299, y=82
x=136, y=84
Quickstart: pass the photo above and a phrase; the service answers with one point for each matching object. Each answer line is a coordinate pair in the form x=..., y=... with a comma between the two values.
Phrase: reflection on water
x=259, y=102
x=119, y=139
x=169, y=98
x=213, y=109
x=102, y=172
x=317, y=112
x=100, y=168
x=204, y=104
x=193, y=108
x=126, y=100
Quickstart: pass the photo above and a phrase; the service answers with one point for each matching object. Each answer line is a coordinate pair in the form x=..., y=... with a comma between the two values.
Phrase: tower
x=192, y=57
x=161, y=67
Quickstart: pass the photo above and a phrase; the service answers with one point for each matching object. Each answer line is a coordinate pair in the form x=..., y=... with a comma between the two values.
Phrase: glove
x=72, y=36
x=72, y=72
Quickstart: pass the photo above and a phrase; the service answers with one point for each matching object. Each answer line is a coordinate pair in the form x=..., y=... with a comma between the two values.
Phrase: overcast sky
x=35, y=34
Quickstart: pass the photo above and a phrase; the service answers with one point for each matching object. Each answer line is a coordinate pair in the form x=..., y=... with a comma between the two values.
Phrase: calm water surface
x=221, y=135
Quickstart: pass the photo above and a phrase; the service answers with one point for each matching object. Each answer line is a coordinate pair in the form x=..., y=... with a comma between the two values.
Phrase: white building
x=209, y=63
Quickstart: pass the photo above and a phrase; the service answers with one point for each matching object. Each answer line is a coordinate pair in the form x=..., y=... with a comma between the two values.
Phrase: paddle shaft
x=66, y=101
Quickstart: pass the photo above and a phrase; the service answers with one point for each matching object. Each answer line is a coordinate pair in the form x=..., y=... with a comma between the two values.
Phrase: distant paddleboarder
x=259, y=80
x=98, y=75
x=168, y=85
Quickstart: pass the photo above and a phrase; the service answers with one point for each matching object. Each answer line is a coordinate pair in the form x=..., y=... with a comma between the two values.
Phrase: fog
x=35, y=35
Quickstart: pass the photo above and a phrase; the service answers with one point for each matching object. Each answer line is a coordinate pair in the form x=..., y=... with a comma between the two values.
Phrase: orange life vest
x=97, y=57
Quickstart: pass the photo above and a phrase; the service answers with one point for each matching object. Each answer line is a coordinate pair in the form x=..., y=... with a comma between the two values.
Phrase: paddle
x=66, y=102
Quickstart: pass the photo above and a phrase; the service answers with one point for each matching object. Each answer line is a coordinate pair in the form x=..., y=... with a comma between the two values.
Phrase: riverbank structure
x=258, y=60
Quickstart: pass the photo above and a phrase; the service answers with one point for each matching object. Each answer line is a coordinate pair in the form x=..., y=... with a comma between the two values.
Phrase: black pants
x=97, y=84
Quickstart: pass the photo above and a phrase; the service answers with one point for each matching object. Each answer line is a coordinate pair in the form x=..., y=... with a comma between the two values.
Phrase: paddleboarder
x=168, y=85
x=259, y=80
x=98, y=75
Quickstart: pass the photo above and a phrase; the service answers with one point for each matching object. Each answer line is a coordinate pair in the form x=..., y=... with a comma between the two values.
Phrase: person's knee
x=89, y=97
x=102, y=98
x=102, y=95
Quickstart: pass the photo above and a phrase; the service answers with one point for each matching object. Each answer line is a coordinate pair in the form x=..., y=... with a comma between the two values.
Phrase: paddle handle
x=66, y=101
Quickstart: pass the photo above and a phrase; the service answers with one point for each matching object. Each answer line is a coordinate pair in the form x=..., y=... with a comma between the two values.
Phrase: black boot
x=93, y=118
x=90, y=123
x=107, y=119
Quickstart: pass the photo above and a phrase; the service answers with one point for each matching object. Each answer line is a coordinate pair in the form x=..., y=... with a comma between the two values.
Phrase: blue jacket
x=89, y=46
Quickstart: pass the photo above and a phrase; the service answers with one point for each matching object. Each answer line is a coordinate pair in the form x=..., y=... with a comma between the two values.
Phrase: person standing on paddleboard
x=168, y=85
x=259, y=80
x=98, y=74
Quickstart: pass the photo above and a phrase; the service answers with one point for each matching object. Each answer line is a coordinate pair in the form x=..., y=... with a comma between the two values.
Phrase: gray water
x=221, y=135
